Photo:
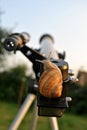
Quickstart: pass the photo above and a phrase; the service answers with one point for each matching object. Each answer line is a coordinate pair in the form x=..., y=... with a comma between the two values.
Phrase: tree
x=11, y=81
x=3, y=53
x=3, y=34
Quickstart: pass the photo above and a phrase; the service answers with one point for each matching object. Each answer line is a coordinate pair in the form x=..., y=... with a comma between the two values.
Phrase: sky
x=65, y=20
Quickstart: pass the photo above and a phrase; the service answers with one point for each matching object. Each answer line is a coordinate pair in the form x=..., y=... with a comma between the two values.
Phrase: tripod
x=24, y=109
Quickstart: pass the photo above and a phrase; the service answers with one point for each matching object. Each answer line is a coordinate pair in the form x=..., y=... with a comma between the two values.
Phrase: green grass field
x=66, y=122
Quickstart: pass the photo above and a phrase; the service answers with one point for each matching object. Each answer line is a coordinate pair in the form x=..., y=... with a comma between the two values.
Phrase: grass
x=66, y=122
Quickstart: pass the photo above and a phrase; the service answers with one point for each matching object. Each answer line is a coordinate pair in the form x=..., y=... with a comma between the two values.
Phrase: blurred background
x=66, y=21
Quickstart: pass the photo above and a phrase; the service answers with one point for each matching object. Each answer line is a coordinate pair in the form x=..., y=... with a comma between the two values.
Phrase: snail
x=50, y=82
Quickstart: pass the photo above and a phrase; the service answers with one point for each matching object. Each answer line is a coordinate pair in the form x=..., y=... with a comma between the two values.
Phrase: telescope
x=46, y=106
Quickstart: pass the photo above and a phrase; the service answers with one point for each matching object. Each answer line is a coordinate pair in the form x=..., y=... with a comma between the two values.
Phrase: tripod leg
x=54, y=123
x=22, y=112
x=34, y=117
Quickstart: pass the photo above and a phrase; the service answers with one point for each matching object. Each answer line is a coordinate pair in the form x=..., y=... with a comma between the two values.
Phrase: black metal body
x=47, y=106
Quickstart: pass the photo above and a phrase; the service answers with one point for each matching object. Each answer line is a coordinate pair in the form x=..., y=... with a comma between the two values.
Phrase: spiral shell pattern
x=50, y=83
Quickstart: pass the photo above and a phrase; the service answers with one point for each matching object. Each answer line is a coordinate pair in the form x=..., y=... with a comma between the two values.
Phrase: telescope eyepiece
x=15, y=41
x=10, y=44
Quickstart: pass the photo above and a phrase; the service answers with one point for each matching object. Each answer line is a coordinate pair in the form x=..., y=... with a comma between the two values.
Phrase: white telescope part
x=26, y=36
x=47, y=47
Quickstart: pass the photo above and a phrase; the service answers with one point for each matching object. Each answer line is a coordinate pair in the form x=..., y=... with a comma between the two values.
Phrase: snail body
x=50, y=82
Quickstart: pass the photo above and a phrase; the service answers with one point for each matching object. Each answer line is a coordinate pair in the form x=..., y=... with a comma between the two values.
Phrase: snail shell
x=50, y=82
